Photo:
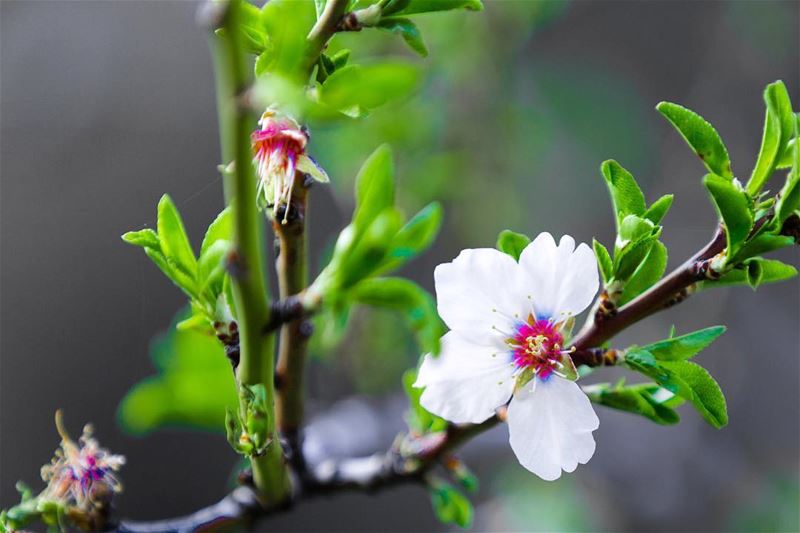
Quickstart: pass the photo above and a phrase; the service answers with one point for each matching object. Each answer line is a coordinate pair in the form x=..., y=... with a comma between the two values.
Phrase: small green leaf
x=647, y=400
x=408, y=30
x=374, y=186
x=356, y=89
x=603, y=260
x=626, y=195
x=650, y=270
x=687, y=380
x=655, y=213
x=763, y=244
x=145, y=238
x=701, y=137
x=754, y=274
x=685, y=346
x=772, y=271
x=429, y=6
x=697, y=386
x=340, y=58
x=512, y=243
x=174, y=242
x=176, y=275
x=221, y=229
x=733, y=206
x=414, y=237
x=789, y=200
x=450, y=506
x=416, y=304
x=211, y=270
x=779, y=126
x=192, y=387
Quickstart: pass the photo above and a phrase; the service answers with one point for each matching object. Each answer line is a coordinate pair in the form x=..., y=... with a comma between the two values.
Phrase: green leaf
x=407, y=30
x=626, y=195
x=357, y=89
x=192, y=387
x=374, y=186
x=512, y=243
x=211, y=270
x=647, y=400
x=182, y=280
x=418, y=418
x=603, y=260
x=145, y=238
x=406, y=296
x=368, y=252
x=779, y=126
x=174, y=242
x=698, y=387
x=429, y=6
x=414, y=237
x=787, y=158
x=763, y=244
x=687, y=380
x=340, y=58
x=650, y=270
x=789, y=200
x=287, y=22
x=685, y=346
x=701, y=137
x=655, y=213
x=772, y=271
x=733, y=206
x=221, y=229
x=450, y=506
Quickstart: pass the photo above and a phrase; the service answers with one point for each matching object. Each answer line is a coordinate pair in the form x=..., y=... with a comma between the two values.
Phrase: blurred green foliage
x=192, y=388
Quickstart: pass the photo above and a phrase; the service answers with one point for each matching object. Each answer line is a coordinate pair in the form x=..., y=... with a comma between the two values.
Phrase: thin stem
x=292, y=268
x=246, y=260
x=597, y=331
x=322, y=31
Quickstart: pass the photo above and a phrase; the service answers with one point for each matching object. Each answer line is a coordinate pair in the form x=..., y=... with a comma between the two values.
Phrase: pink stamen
x=538, y=344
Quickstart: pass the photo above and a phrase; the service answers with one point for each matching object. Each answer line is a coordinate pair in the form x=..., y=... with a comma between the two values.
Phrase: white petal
x=550, y=424
x=562, y=279
x=310, y=167
x=479, y=294
x=467, y=382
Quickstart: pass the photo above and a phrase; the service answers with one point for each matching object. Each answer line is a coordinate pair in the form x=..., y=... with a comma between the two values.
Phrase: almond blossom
x=279, y=151
x=510, y=324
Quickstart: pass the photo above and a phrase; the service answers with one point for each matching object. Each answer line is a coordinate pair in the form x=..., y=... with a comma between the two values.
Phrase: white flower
x=509, y=323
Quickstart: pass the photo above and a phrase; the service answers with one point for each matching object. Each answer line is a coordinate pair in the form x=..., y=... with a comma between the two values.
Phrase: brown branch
x=291, y=265
x=366, y=474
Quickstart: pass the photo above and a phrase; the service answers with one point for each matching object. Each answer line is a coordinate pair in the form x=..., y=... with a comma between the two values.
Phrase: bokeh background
x=105, y=106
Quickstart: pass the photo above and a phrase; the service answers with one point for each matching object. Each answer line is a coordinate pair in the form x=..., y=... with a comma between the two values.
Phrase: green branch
x=246, y=260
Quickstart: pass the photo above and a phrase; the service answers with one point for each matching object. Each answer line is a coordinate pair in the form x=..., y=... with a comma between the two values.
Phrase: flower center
x=537, y=345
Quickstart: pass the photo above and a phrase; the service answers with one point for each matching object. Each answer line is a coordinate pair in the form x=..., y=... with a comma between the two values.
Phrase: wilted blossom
x=510, y=324
x=279, y=148
x=81, y=476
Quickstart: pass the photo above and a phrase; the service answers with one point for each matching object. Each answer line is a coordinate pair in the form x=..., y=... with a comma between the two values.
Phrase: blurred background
x=105, y=106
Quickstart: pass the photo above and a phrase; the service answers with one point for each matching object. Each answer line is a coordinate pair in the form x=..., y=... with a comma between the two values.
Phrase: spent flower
x=510, y=323
x=81, y=476
x=279, y=153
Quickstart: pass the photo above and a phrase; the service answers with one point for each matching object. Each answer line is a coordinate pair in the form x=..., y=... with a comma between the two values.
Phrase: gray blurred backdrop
x=105, y=106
